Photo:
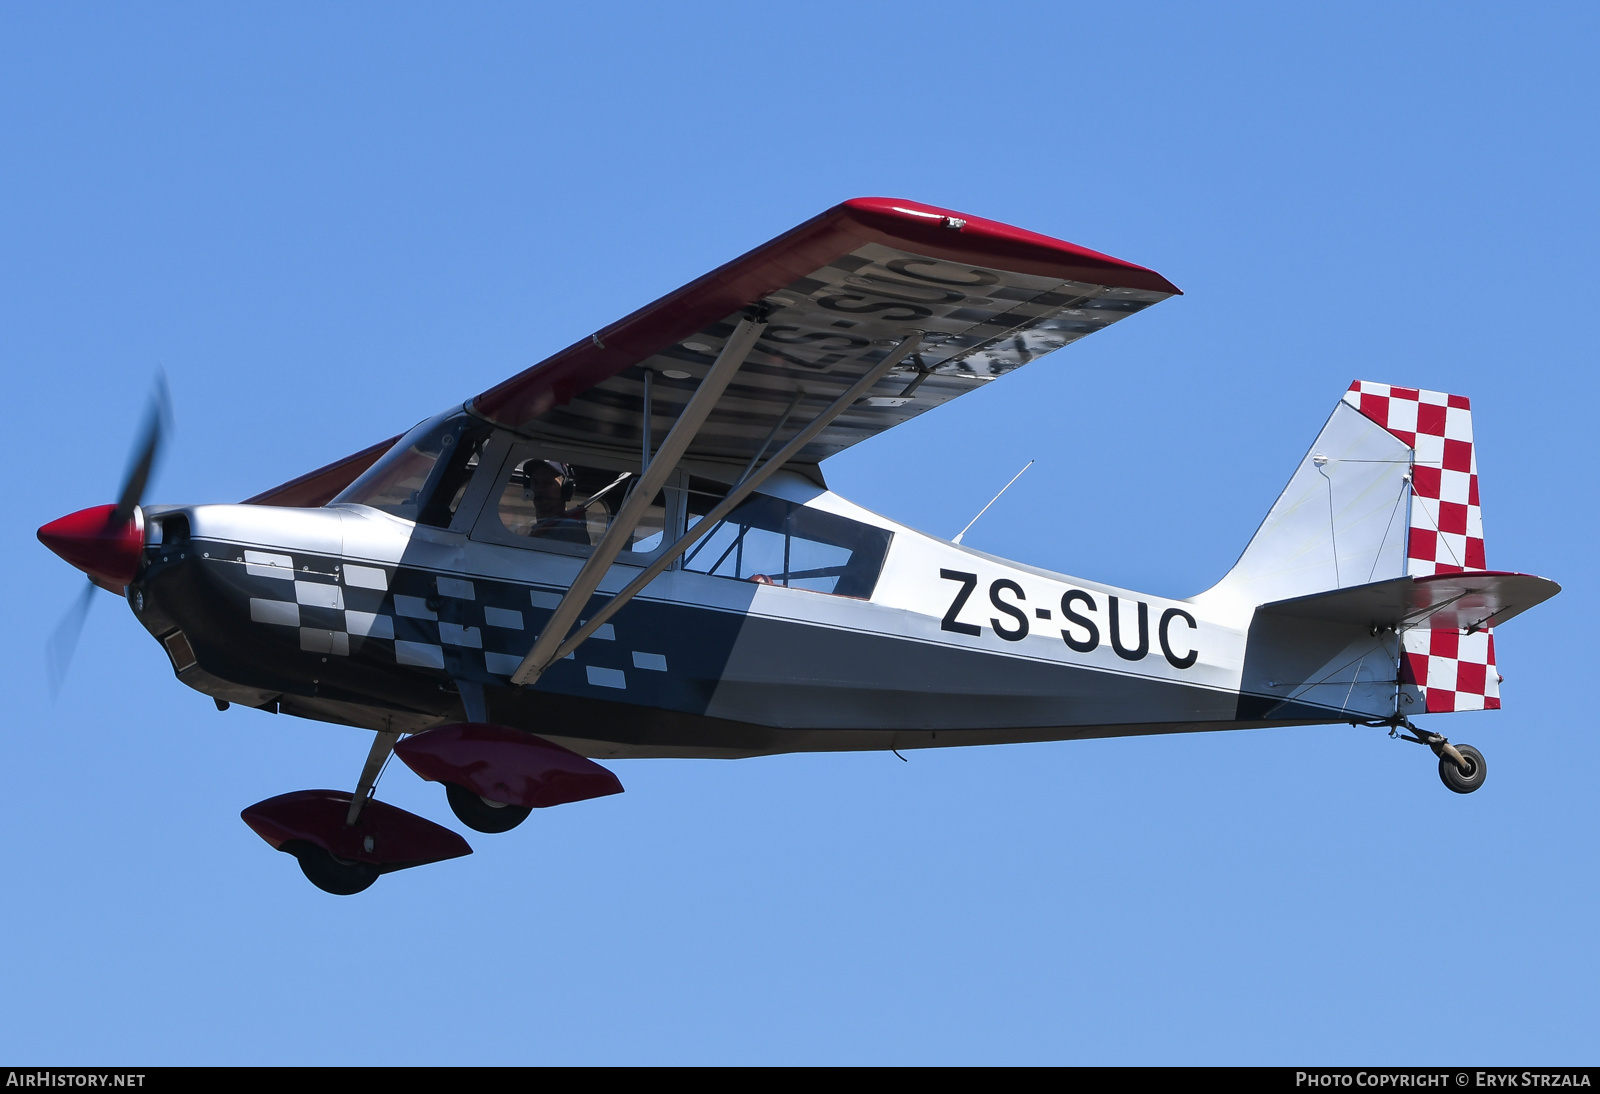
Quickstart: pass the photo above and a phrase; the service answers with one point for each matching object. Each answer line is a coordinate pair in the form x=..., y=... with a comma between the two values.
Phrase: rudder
x=1443, y=670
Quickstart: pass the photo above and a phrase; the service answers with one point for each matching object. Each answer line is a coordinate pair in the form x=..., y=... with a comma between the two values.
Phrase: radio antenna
x=992, y=500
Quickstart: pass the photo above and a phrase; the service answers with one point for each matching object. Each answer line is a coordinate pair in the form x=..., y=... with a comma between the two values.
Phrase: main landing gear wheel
x=482, y=815
x=1463, y=782
x=338, y=876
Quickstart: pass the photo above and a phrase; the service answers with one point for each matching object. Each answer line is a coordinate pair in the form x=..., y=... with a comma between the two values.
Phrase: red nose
x=97, y=543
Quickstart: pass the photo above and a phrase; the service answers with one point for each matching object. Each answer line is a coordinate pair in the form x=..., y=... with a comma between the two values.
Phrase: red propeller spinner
x=99, y=541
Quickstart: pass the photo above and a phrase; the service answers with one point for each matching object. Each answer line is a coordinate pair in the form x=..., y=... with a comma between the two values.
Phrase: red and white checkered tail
x=1443, y=670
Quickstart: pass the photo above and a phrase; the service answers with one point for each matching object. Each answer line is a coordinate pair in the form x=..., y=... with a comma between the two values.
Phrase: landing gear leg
x=383, y=744
x=1461, y=767
x=324, y=869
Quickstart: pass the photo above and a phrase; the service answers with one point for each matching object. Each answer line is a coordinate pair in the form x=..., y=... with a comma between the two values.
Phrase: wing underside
x=835, y=295
x=827, y=329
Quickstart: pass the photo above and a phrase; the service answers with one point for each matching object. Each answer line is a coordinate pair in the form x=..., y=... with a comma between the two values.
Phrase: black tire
x=482, y=815
x=332, y=875
x=1453, y=777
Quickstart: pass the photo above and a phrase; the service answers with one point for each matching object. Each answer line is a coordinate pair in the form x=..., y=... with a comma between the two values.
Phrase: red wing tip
x=929, y=216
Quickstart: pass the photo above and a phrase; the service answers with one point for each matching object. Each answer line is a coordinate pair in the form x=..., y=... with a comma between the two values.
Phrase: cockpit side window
x=543, y=501
x=774, y=542
x=424, y=476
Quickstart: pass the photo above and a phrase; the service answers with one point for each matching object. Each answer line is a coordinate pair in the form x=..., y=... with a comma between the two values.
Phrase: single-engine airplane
x=629, y=550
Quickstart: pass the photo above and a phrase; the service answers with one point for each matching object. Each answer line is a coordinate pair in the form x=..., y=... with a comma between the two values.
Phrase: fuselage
x=352, y=614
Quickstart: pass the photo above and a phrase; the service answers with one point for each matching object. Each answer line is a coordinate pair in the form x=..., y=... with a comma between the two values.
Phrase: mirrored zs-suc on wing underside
x=837, y=294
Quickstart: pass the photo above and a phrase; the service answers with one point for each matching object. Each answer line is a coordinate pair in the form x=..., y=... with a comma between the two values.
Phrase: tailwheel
x=1461, y=767
x=481, y=814
x=1466, y=776
x=332, y=874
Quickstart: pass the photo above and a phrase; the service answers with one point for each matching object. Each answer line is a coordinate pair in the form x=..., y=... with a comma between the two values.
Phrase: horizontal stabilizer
x=1461, y=601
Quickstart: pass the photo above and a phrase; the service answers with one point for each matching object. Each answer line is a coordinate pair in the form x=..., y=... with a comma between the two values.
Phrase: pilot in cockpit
x=549, y=486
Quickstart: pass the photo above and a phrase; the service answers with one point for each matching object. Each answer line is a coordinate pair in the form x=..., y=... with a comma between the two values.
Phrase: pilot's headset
x=569, y=481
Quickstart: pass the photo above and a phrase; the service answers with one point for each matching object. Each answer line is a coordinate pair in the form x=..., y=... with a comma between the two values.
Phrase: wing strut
x=644, y=424
x=652, y=478
x=531, y=668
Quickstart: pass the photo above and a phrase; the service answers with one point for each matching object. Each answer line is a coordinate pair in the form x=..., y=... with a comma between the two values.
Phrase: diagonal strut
x=744, y=489
x=651, y=479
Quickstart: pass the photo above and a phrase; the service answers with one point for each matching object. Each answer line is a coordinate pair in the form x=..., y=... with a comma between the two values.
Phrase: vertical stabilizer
x=1340, y=522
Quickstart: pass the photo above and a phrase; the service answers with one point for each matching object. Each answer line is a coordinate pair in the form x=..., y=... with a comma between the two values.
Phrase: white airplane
x=630, y=550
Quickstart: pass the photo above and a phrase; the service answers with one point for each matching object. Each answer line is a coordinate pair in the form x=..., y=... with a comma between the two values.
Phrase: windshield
x=425, y=474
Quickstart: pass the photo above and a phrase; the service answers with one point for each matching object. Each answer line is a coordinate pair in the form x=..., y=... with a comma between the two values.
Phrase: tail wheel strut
x=1461, y=767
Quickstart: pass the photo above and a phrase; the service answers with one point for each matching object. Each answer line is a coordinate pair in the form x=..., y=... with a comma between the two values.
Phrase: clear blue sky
x=328, y=225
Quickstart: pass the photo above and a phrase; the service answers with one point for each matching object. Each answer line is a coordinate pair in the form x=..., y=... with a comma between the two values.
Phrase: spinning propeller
x=105, y=541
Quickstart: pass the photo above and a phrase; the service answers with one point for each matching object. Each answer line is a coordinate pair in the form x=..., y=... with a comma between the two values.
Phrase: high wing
x=837, y=294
